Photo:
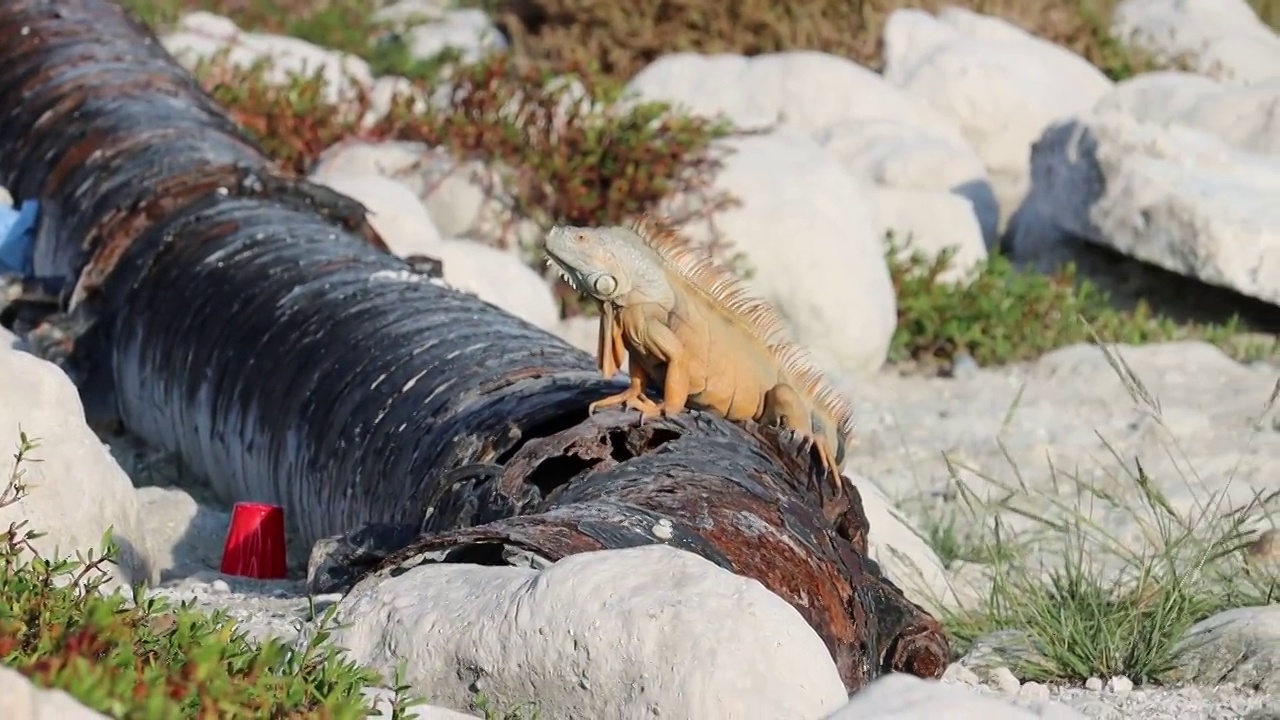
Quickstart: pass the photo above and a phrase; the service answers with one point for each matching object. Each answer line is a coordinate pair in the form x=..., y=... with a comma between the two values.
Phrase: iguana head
x=611, y=264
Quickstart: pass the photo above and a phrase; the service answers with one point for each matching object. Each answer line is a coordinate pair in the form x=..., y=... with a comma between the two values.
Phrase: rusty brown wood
x=743, y=497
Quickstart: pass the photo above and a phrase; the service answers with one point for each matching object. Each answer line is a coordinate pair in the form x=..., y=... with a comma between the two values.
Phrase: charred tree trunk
x=255, y=324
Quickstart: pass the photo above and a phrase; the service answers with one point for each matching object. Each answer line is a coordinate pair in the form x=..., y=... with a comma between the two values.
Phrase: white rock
x=1221, y=38
x=1174, y=197
x=902, y=553
x=901, y=156
x=394, y=211
x=1245, y=117
x=398, y=160
x=1240, y=646
x=76, y=490
x=21, y=700
x=464, y=198
x=933, y=221
x=878, y=132
x=899, y=696
x=201, y=35
x=806, y=90
x=1162, y=96
x=187, y=537
x=650, y=631
x=1033, y=691
x=431, y=27
x=1003, y=679
x=957, y=673
x=499, y=278
x=1119, y=685
x=1001, y=85
x=808, y=228
x=209, y=25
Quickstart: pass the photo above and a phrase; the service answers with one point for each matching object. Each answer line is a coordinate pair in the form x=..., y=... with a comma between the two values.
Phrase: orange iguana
x=691, y=326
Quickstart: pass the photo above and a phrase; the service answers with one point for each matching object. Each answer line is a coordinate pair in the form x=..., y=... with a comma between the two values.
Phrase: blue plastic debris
x=17, y=235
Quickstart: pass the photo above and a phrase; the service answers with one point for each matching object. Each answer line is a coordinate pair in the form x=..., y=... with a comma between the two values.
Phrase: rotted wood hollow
x=255, y=325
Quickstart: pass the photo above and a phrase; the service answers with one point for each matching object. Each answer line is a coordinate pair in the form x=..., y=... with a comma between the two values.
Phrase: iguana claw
x=839, y=503
x=628, y=399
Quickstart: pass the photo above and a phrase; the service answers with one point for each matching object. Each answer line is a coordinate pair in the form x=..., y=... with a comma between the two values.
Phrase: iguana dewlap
x=691, y=326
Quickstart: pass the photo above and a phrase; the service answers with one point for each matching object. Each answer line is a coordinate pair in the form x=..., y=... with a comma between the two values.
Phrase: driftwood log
x=254, y=324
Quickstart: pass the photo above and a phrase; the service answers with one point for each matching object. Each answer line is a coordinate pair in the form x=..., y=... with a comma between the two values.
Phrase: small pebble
x=1033, y=691
x=958, y=673
x=219, y=586
x=663, y=529
x=1266, y=548
x=1119, y=685
x=1003, y=679
x=963, y=365
x=1094, y=684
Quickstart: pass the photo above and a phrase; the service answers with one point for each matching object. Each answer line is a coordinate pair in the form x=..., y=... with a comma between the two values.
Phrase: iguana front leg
x=665, y=346
x=619, y=346
x=784, y=408
x=609, y=345
x=633, y=397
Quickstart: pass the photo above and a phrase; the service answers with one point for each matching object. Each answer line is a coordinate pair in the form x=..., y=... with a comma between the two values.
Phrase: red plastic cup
x=255, y=542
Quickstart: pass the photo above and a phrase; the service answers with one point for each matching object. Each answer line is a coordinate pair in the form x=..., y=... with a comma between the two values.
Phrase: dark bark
x=254, y=324
x=739, y=496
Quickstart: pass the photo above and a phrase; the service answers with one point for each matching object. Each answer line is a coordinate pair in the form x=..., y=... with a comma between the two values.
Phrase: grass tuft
x=1067, y=599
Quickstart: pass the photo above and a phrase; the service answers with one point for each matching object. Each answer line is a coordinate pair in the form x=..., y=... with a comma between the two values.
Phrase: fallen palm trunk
x=253, y=324
x=725, y=492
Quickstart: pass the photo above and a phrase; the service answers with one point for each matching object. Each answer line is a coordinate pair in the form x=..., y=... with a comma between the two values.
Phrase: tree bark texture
x=255, y=324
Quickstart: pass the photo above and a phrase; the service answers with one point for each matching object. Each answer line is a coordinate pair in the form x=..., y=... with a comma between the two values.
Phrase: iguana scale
x=691, y=326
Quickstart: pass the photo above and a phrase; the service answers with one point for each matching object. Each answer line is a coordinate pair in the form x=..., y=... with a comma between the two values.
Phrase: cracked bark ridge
x=739, y=496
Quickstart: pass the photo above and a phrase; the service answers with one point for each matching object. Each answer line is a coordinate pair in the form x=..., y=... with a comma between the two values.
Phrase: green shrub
x=593, y=162
x=146, y=659
x=999, y=314
x=621, y=39
x=558, y=158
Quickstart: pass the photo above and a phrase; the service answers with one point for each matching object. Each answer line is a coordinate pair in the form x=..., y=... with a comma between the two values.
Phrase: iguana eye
x=604, y=284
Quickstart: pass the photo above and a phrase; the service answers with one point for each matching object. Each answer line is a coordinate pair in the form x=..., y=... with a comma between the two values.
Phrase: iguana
x=691, y=326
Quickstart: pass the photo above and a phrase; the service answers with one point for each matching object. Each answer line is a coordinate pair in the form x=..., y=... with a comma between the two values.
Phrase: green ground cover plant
x=145, y=657
x=132, y=656
x=999, y=314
